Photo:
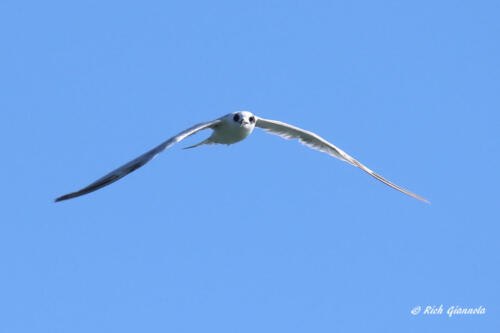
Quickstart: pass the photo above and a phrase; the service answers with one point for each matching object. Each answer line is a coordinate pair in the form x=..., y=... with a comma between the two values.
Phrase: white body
x=229, y=131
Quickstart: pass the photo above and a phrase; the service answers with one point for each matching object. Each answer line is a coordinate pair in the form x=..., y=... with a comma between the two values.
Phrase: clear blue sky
x=265, y=235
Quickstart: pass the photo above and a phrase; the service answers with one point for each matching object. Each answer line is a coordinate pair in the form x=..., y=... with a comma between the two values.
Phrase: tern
x=228, y=129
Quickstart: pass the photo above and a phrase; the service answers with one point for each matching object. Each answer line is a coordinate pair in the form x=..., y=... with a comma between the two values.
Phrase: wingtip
x=422, y=199
x=65, y=197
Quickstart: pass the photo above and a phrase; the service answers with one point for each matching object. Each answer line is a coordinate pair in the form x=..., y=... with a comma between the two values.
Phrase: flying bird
x=230, y=129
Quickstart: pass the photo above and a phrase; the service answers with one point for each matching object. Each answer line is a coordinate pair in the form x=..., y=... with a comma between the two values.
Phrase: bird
x=229, y=129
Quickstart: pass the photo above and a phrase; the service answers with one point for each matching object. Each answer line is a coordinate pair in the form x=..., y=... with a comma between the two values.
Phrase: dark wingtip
x=60, y=199
x=66, y=197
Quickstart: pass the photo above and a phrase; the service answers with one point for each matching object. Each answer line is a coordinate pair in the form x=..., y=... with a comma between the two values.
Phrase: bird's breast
x=229, y=134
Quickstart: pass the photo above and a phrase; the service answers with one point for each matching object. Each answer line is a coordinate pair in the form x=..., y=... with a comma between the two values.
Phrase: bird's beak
x=243, y=123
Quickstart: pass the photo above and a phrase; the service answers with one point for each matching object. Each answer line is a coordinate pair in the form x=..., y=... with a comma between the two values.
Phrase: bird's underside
x=230, y=129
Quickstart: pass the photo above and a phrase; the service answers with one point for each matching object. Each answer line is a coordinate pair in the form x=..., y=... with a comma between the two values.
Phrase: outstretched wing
x=136, y=163
x=314, y=141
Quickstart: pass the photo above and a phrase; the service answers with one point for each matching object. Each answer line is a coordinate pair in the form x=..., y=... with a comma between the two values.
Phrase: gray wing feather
x=138, y=162
x=314, y=141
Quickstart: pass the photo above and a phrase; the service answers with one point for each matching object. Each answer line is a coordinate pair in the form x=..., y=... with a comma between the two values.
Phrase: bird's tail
x=204, y=142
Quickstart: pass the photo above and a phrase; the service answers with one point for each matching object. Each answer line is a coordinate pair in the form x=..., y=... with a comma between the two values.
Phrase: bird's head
x=242, y=119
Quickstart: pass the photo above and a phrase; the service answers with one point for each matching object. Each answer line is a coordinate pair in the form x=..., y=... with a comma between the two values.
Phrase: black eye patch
x=236, y=117
x=252, y=119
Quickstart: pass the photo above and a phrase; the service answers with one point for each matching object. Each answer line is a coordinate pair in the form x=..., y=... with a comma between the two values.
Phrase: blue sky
x=265, y=235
